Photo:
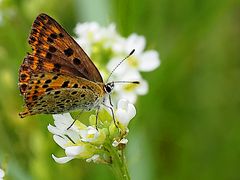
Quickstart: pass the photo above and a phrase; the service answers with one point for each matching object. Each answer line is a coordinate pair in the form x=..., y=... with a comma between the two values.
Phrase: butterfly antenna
x=131, y=82
x=120, y=63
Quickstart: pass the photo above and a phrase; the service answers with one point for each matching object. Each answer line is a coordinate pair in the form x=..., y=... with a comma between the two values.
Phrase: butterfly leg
x=75, y=119
x=98, y=108
x=110, y=100
x=114, y=120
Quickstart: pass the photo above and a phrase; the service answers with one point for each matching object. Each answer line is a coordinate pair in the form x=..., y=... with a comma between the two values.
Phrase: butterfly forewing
x=51, y=43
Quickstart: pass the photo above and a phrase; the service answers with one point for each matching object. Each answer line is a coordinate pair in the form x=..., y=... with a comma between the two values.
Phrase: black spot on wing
x=76, y=61
x=52, y=49
x=68, y=52
x=65, y=84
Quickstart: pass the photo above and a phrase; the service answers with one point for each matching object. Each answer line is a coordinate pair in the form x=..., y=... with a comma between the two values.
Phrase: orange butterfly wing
x=51, y=43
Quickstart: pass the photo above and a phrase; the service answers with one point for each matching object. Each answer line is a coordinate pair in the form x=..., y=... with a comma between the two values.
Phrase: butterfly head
x=109, y=87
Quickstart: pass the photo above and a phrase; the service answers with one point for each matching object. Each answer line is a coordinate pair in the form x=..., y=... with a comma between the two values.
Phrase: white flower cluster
x=105, y=46
x=86, y=142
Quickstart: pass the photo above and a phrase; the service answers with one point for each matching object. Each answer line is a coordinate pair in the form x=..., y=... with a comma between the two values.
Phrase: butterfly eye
x=109, y=87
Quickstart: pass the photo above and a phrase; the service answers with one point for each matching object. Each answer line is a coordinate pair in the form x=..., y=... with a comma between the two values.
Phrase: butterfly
x=58, y=76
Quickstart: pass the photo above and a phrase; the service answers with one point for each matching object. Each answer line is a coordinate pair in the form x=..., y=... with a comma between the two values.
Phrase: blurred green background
x=187, y=126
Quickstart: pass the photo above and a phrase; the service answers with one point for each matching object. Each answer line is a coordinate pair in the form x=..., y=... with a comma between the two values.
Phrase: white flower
x=125, y=112
x=105, y=44
x=130, y=70
x=81, y=150
x=92, y=33
x=2, y=174
x=86, y=142
x=69, y=138
x=140, y=60
x=143, y=61
x=122, y=141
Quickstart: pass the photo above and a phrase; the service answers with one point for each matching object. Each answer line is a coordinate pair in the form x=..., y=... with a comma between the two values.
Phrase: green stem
x=119, y=165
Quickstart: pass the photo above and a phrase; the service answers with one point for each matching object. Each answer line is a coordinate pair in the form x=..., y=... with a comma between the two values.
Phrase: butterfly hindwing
x=52, y=44
x=56, y=93
x=24, y=77
x=41, y=83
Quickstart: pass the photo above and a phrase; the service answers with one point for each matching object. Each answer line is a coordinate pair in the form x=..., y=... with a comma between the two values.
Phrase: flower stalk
x=119, y=164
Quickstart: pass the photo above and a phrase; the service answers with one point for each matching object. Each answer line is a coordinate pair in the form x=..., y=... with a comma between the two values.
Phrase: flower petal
x=74, y=150
x=135, y=41
x=54, y=130
x=148, y=61
x=142, y=89
x=73, y=135
x=119, y=46
x=62, y=121
x=62, y=160
x=60, y=141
